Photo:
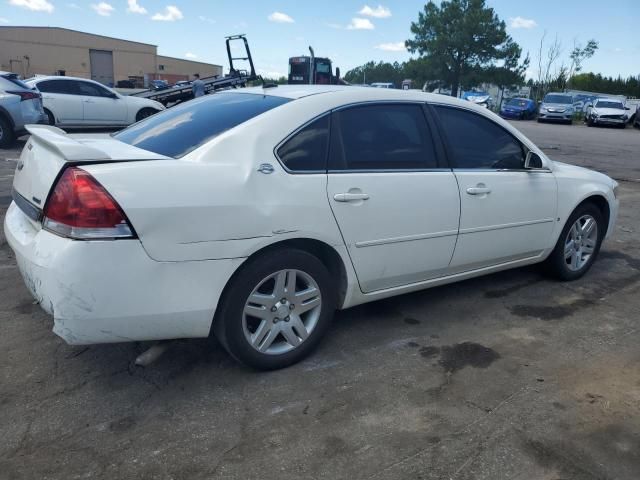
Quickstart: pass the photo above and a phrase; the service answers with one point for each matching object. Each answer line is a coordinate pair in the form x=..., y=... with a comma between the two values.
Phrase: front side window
x=306, y=150
x=381, y=137
x=179, y=130
x=477, y=142
x=91, y=90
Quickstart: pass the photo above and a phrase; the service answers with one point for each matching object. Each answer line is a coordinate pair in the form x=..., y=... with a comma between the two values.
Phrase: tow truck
x=236, y=78
x=312, y=70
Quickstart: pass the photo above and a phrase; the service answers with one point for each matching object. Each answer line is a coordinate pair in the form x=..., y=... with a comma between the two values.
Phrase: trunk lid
x=50, y=149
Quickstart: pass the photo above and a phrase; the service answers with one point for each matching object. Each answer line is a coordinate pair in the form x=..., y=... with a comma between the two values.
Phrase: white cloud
x=190, y=55
x=360, y=24
x=135, y=7
x=378, y=12
x=4, y=20
x=34, y=5
x=171, y=14
x=280, y=17
x=202, y=18
x=520, y=22
x=392, y=47
x=103, y=8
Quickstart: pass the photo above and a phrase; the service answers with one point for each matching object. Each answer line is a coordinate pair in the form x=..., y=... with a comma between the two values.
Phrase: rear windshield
x=561, y=99
x=179, y=130
x=13, y=79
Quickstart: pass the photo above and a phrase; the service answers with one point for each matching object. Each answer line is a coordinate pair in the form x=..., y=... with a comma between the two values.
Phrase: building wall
x=51, y=49
x=179, y=66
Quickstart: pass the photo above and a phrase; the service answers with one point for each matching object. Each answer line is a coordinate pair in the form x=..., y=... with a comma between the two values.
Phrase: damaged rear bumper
x=112, y=291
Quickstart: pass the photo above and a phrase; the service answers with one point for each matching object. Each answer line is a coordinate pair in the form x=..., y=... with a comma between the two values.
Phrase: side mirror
x=589, y=105
x=533, y=161
x=627, y=108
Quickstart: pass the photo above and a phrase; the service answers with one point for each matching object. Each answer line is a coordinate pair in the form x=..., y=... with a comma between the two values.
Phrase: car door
x=101, y=106
x=507, y=211
x=60, y=97
x=396, y=204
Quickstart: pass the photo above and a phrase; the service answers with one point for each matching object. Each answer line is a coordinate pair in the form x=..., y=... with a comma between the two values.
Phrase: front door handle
x=350, y=197
x=480, y=189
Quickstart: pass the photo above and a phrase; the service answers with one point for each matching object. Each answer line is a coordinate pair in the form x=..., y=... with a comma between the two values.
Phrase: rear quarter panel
x=214, y=204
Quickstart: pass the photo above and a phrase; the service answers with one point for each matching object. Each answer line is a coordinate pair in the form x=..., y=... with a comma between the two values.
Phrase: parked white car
x=607, y=111
x=237, y=213
x=78, y=102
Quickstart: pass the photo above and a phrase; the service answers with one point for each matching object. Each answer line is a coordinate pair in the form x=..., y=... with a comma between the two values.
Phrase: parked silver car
x=557, y=107
x=19, y=106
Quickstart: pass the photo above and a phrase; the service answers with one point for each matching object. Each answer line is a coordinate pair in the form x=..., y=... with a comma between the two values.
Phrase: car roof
x=56, y=77
x=294, y=92
x=609, y=99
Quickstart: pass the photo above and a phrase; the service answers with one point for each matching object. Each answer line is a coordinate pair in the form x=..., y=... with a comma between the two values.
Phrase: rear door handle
x=478, y=190
x=350, y=197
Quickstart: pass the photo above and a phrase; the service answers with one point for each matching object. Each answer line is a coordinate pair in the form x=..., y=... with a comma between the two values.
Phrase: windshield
x=179, y=130
x=323, y=67
x=562, y=99
x=608, y=104
x=516, y=102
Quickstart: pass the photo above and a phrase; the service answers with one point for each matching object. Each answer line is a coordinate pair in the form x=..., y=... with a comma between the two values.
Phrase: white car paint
x=198, y=218
x=599, y=114
x=91, y=105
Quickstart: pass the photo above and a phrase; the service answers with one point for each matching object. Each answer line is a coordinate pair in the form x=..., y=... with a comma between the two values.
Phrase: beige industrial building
x=30, y=51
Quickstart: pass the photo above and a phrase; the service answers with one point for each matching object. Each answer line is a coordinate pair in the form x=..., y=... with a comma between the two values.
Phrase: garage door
x=102, y=66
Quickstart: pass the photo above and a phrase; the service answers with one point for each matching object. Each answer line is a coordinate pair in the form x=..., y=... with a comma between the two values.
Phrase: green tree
x=460, y=38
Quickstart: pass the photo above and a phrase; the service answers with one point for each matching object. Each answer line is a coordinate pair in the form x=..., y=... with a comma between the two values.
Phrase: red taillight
x=79, y=207
x=25, y=95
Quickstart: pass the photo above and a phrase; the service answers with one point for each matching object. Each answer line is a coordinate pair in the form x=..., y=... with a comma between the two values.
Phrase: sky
x=347, y=31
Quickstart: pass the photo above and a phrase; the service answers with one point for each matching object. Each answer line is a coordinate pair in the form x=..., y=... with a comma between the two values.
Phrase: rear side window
x=179, y=130
x=306, y=150
x=381, y=137
x=476, y=142
x=67, y=87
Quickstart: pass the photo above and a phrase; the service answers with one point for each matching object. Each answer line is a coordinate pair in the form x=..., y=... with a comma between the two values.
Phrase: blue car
x=520, y=108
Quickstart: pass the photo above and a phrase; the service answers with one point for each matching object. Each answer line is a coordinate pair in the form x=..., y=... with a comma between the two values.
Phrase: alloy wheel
x=281, y=312
x=580, y=242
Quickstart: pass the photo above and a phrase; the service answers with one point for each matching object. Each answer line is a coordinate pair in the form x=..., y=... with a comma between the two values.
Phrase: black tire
x=144, y=113
x=50, y=118
x=556, y=264
x=7, y=135
x=589, y=122
x=228, y=324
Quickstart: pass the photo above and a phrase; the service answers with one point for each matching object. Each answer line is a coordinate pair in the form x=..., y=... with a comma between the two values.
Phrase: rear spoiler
x=69, y=148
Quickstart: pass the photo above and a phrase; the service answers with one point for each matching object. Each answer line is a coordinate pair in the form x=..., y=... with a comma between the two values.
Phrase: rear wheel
x=7, y=136
x=276, y=309
x=145, y=112
x=579, y=243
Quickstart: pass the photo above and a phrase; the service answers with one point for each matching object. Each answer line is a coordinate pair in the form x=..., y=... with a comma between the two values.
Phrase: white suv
x=77, y=102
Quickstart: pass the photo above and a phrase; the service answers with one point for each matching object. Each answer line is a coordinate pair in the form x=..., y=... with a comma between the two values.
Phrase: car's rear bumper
x=112, y=291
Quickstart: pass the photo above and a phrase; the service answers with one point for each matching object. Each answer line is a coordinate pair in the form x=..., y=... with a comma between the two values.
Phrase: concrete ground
x=511, y=376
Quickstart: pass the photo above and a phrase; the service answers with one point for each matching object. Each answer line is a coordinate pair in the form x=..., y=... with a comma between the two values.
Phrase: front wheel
x=578, y=245
x=276, y=309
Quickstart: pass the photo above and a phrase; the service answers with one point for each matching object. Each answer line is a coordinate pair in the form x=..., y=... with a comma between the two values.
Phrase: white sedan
x=78, y=102
x=254, y=214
